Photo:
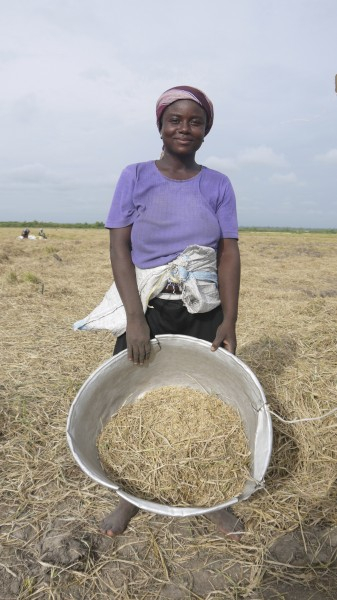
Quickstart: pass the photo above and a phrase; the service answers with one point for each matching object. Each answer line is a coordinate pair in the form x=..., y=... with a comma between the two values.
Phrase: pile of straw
x=178, y=446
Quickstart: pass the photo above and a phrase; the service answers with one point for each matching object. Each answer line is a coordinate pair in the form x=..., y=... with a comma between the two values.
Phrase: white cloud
x=262, y=155
x=285, y=178
x=25, y=109
x=329, y=157
x=37, y=175
x=302, y=119
x=221, y=164
x=259, y=155
x=95, y=73
x=31, y=174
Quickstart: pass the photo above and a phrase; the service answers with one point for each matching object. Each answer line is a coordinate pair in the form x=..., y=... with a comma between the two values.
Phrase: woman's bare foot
x=227, y=523
x=117, y=521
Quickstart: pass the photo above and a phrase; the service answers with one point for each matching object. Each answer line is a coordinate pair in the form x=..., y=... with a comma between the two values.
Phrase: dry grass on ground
x=50, y=544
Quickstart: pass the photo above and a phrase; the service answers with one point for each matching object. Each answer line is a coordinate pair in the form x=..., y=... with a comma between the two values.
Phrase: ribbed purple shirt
x=167, y=215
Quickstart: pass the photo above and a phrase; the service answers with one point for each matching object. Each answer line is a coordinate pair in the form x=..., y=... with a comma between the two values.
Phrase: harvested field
x=50, y=511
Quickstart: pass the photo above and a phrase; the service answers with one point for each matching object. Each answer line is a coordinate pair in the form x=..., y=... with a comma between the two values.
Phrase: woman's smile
x=183, y=140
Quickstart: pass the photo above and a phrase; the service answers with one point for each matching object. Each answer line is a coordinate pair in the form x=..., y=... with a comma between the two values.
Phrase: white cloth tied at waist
x=195, y=270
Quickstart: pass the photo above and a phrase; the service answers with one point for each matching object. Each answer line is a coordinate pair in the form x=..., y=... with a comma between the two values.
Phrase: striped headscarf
x=185, y=92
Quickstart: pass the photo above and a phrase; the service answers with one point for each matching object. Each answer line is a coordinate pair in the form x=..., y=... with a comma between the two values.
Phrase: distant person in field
x=25, y=233
x=42, y=234
x=160, y=210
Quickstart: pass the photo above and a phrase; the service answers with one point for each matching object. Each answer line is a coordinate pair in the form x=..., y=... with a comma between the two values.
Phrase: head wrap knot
x=185, y=92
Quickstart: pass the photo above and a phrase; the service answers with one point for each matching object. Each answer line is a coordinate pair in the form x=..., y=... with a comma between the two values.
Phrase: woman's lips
x=183, y=140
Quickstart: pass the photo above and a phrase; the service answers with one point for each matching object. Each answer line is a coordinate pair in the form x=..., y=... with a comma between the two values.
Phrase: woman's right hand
x=138, y=340
x=137, y=329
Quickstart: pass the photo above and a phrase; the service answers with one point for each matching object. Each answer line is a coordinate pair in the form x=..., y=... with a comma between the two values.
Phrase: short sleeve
x=122, y=210
x=226, y=211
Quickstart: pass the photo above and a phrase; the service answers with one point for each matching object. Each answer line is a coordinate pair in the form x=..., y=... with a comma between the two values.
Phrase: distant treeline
x=50, y=224
x=289, y=229
x=100, y=225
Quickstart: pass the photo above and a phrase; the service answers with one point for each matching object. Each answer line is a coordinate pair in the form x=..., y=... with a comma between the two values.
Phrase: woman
x=164, y=213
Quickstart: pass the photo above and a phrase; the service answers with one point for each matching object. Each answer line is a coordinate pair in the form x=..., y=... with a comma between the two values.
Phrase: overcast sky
x=80, y=79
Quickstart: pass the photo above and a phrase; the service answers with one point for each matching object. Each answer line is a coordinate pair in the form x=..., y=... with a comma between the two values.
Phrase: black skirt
x=171, y=316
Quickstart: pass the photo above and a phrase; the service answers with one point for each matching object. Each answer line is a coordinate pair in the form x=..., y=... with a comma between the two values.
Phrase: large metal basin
x=180, y=361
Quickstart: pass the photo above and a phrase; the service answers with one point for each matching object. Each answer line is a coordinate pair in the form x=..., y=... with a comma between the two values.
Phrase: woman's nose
x=184, y=126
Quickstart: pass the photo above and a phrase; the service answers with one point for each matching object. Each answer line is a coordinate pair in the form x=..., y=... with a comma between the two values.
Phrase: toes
x=108, y=532
x=234, y=532
x=227, y=524
x=234, y=536
x=111, y=533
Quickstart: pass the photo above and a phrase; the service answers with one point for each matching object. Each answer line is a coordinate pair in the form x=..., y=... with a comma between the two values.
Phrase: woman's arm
x=229, y=287
x=137, y=329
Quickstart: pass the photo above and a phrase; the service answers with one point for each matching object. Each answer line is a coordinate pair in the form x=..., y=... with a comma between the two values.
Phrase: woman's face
x=183, y=127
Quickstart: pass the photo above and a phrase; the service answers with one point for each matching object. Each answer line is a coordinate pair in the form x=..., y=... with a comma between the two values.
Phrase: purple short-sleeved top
x=167, y=215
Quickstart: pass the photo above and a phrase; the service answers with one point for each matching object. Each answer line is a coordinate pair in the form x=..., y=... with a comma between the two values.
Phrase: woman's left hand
x=225, y=337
